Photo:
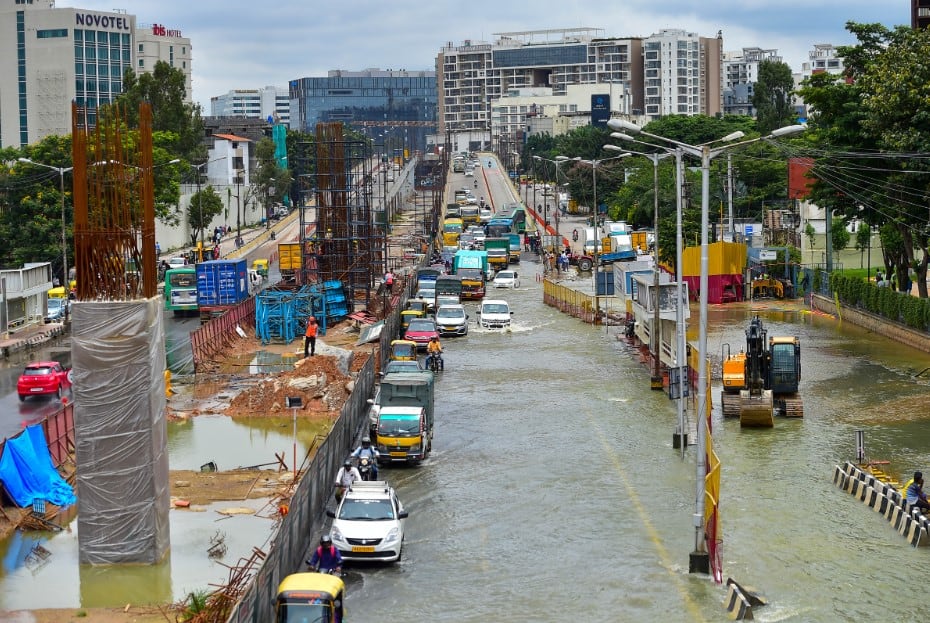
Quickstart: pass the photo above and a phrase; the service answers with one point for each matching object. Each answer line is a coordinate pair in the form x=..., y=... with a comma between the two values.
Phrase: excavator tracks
x=791, y=406
x=729, y=403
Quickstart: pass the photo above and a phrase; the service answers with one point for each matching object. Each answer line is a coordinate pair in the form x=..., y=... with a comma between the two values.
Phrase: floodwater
x=553, y=490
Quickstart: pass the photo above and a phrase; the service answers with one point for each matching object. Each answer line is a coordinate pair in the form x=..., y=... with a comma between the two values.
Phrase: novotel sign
x=160, y=31
x=102, y=21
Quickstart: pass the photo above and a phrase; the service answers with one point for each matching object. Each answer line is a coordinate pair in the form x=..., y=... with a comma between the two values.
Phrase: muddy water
x=554, y=489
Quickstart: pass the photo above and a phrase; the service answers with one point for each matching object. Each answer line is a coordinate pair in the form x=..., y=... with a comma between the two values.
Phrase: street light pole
x=64, y=234
x=699, y=559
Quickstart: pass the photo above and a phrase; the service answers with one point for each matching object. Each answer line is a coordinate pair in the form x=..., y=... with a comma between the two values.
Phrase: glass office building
x=393, y=108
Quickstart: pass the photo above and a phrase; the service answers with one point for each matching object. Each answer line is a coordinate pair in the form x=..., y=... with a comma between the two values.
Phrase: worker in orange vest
x=310, y=337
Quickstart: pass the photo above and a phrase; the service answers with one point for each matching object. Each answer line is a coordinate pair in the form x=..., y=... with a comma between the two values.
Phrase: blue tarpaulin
x=28, y=474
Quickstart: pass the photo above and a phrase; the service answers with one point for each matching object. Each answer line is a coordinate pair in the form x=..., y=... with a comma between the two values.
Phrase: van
x=494, y=314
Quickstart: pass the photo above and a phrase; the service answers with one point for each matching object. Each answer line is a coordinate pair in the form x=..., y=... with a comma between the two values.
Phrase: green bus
x=181, y=290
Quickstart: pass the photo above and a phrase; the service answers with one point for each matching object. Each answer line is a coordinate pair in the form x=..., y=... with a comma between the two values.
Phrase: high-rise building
x=472, y=75
x=396, y=109
x=670, y=72
x=821, y=59
x=263, y=103
x=683, y=74
x=740, y=73
x=52, y=56
x=920, y=13
x=157, y=42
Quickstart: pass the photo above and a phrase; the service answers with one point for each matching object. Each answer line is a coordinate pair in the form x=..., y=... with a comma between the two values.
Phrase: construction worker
x=310, y=337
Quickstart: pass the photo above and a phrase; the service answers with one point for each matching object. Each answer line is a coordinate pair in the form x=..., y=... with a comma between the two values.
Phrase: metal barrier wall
x=300, y=528
x=569, y=301
x=216, y=334
x=59, y=435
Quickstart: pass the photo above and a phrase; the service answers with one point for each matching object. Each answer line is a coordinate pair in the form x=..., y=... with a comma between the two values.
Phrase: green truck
x=402, y=416
x=498, y=250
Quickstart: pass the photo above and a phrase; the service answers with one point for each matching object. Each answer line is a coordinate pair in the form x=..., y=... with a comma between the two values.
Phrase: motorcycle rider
x=326, y=558
x=346, y=475
x=434, y=349
x=366, y=451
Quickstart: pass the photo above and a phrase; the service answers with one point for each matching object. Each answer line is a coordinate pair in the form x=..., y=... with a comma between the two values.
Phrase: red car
x=41, y=378
x=420, y=331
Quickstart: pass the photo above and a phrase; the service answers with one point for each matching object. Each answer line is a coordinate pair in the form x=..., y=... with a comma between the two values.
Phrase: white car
x=177, y=262
x=494, y=314
x=368, y=524
x=451, y=320
x=469, y=173
x=485, y=214
x=506, y=279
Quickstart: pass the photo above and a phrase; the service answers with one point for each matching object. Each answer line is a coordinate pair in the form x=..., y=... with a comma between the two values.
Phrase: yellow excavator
x=762, y=381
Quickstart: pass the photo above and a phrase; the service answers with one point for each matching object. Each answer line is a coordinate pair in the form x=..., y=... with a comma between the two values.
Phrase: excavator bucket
x=756, y=410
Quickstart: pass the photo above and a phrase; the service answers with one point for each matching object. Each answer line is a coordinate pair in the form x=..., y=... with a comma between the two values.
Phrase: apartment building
x=740, y=73
x=269, y=101
x=683, y=74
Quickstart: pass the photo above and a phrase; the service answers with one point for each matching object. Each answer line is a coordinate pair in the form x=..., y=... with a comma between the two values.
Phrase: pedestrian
x=216, y=252
x=526, y=242
x=310, y=337
x=157, y=249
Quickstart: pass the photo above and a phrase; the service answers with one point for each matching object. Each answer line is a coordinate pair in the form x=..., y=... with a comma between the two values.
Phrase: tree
x=772, y=96
x=863, y=236
x=204, y=206
x=270, y=181
x=839, y=235
x=165, y=90
x=811, y=234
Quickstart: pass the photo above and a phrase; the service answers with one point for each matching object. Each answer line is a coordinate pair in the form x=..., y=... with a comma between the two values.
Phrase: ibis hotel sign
x=108, y=22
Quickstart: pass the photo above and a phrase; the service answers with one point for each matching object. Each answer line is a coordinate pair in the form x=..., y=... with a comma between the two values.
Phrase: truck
x=613, y=248
x=221, y=285
x=402, y=415
x=470, y=216
x=498, y=250
x=289, y=260
x=472, y=267
x=516, y=247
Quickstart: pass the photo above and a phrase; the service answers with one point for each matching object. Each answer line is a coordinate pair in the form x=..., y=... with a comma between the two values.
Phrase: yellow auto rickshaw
x=418, y=305
x=261, y=267
x=403, y=350
x=316, y=597
x=407, y=315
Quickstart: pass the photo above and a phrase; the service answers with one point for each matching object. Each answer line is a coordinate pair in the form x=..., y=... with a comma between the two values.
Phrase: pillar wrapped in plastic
x=118, y=354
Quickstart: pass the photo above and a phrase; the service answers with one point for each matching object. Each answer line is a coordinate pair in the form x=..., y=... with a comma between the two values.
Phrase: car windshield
x=403, y=426
x=421, y=325
x=298, y=613
x=494, y=308
x=450, y=314
x=55, y=304
x=38, y=371
x=366, y=510
x=504, y=275
x=426, y=294
x=401, y=366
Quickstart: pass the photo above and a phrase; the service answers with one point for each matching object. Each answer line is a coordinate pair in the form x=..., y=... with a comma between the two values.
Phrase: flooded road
x=554, y=489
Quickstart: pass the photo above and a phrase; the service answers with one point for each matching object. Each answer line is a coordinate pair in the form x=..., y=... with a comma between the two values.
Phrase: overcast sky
x=243, y=45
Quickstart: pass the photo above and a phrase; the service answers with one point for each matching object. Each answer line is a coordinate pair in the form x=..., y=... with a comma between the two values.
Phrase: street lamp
x=64, y=239
x=700, y=560
x=678, y=439
x=594, y=164
x=656, y=333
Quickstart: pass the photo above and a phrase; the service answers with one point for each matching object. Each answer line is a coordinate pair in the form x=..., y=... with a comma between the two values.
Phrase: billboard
x=600, y=109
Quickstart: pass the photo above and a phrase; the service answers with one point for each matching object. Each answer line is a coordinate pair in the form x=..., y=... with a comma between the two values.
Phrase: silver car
x=451, y=320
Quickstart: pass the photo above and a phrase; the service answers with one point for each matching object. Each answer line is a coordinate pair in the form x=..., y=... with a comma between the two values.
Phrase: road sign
x=748, y=230
x=768, y=256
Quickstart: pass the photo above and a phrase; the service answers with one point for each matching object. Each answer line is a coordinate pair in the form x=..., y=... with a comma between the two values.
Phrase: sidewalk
x=29, y=335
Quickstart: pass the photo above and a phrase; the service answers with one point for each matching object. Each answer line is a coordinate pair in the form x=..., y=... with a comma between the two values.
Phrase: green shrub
x=894, y=306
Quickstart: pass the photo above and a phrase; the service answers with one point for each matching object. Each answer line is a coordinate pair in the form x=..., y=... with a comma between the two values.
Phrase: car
x=420, y=331
x=451, y=320
x=177, y=262
x=368, y=523
x=469, y=173
x=43, y=378
x=485, y=214
x=506, y=279
x=402, y=366
x=58, y=310
x=494, y=314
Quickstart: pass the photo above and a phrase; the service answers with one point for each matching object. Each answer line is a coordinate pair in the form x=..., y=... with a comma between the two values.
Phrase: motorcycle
x=434, y=362
x=366, y=468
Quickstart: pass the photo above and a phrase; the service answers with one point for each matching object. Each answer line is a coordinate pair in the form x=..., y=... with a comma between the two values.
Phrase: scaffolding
x=346, y=244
